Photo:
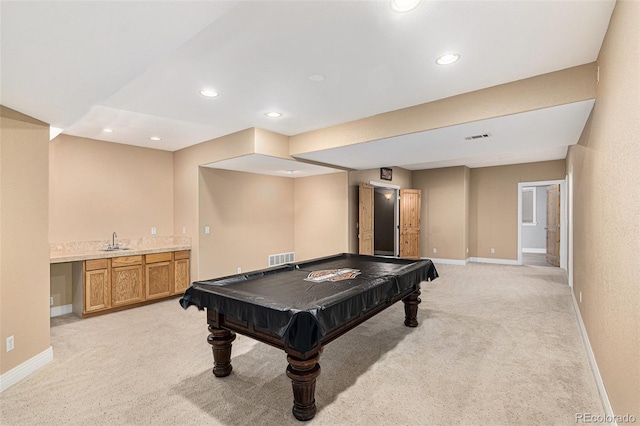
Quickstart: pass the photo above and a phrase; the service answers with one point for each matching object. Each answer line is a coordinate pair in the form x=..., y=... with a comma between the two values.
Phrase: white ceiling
x=138, y=67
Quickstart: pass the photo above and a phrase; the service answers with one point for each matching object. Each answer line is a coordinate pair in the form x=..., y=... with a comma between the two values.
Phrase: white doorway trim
x=563, y=217
x=396, y=214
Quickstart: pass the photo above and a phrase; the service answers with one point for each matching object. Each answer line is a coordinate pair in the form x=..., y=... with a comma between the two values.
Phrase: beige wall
x=401, y=178
x=569, y=85
x=444, y=211
x=606, y=176
x=186, y=177
x=24, y=247
x=320, y=215
x=96, y=188
x=250, y=216
x=493, y=213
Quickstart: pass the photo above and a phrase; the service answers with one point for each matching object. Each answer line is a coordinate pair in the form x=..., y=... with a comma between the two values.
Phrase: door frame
x=396, y=215
x=563, y=218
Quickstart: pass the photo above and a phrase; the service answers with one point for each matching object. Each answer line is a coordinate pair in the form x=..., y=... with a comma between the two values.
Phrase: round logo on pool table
x=332, y=275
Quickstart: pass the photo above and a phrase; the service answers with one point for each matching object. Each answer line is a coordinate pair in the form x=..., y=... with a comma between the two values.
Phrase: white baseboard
x=25, y=369
x=56, y=311
x=496, y=261
x=535, y=250
x=448, y=261
x=604, y=398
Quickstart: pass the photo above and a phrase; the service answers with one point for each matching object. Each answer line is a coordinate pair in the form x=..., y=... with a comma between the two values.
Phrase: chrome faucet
x=113, y=241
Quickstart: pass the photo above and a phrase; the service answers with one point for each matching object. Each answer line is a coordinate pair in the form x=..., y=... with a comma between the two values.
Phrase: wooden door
x=97, y=290
x=126, y=285
x=158, y=279
x=553, y=225
x=181, y=272
x=365, y=219
x=410, y=201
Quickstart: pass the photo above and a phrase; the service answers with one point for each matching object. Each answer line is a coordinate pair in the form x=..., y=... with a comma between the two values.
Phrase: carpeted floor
x=496, y=345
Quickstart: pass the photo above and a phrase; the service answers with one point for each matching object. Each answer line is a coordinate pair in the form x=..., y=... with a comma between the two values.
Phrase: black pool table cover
x=301, y=312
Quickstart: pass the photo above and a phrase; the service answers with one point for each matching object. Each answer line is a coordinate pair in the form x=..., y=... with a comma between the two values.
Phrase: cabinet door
x=97, y=290
x=158, y=280
x=126, y=285
x=181, y=268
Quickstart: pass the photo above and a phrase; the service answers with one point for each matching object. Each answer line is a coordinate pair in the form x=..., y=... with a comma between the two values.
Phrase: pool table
x=301, y=307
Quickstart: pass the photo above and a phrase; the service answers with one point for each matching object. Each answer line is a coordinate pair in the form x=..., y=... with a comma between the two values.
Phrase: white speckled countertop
x=87, y=250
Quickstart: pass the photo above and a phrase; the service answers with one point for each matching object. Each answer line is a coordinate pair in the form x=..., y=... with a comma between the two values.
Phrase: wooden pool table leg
x=411, y=303
x=303, y=374
x=220, y=340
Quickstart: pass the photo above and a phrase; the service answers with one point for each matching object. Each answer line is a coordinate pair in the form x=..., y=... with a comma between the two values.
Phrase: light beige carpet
x=496, y=345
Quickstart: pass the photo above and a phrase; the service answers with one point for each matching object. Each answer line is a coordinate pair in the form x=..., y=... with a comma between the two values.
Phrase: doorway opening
x=385, y=205
x=542, y=224
x=386, y=219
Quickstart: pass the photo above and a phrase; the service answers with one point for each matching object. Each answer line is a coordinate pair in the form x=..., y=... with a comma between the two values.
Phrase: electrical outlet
x=435, y=250
x=467, y=250
x=153, y=231
x=51, y=301
x=580, y=297
x=10, y=343
x=207, y=230
x=493, y=251
x=184, y=229
x=239, y=270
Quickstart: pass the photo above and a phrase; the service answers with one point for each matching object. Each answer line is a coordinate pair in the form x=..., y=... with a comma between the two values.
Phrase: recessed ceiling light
x=209, y=93
x=273, y=114
x=402, y=6
x=289, y=172
x=155, y=138
x=447, y=59
x=107, y=130
x=316, y=77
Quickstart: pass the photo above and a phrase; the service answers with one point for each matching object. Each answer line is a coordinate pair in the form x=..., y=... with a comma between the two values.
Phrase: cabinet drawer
x=126, y=261
x=158, y=257
x=184, y=254
x=92, y=265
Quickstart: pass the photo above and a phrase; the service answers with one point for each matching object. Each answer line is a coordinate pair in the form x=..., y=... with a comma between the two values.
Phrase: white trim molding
x=56, y=311
x=535, y=250
x=604, y=398
x=448, y=261
x=496, y=261
x=25, y=369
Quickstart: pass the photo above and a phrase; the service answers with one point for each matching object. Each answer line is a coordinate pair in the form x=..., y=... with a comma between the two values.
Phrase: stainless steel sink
x=116, y=249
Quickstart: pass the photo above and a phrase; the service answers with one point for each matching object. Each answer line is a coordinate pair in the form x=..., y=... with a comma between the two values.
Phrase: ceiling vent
x=482, y=136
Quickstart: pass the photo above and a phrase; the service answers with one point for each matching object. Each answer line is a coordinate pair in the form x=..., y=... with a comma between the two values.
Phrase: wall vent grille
x=281, y=258
x=482, y=136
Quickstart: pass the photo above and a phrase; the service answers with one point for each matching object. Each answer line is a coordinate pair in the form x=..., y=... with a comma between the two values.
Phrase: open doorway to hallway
x=542, y=226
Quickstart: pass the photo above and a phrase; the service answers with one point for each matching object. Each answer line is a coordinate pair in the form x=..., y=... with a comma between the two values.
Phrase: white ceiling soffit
x=134, y=128
x=62, y=60
x=273, y=166
x=538, y=135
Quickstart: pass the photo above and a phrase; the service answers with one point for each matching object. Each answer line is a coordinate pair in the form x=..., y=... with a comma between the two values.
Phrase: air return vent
x=474, y=137
x=279, y=259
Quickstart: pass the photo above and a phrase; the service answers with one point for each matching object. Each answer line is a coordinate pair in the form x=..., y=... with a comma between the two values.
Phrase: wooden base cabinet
x=97, y=294
x=159, y=276
x=117, y=283
x=126, y=280
x=181, y=268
